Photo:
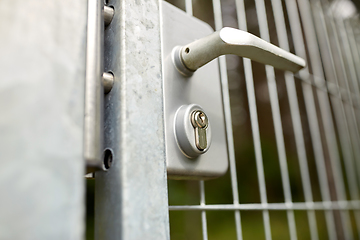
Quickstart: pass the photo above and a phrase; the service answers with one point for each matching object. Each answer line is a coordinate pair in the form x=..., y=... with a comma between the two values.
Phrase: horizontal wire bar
x=328, y=205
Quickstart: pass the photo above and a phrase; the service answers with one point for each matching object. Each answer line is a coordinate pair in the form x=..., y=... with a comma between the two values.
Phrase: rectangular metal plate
x=202, y=88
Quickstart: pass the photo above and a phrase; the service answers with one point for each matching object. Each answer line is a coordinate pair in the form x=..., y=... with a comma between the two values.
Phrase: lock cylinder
x=200, y=123
x=192, y=130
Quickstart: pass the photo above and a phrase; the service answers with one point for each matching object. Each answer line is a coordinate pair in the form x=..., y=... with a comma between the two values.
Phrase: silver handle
x=233, y=41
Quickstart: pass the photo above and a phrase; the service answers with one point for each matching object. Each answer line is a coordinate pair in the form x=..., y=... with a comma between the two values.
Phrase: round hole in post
x=187, y=50
x=106, y=2
x=108, y=158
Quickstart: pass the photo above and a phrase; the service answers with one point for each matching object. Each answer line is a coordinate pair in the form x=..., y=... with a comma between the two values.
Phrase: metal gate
x=295, y=171
x=293, y=139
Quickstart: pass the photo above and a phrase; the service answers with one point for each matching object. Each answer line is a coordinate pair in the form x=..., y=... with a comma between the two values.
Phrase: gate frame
x=131, y=197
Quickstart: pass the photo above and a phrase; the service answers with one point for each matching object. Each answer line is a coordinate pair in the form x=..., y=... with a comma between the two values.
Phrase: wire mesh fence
x=295, y=173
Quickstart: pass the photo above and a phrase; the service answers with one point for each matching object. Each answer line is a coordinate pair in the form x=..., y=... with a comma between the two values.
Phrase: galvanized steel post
x=131, y=197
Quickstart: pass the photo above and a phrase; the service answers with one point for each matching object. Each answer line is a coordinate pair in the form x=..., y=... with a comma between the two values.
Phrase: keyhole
x=202, y=118
x=200, y=123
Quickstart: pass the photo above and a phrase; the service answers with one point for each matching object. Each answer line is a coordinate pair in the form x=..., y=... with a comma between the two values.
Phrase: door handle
x=192, y=56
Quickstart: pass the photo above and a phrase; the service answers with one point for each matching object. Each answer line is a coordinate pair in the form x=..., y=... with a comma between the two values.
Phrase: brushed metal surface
x=131, y=197
x=94, y=90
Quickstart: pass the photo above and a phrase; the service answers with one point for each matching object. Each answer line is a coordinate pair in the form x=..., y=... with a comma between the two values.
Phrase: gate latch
x=233, y=41
x=195, y=131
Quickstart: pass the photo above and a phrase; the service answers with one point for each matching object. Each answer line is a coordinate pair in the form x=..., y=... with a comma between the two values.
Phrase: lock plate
x=202, y=88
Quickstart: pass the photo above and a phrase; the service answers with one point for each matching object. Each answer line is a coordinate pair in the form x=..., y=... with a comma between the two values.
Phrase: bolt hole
x=108, y=158
x=108, y=81
x=106, y=2
x=187, y=50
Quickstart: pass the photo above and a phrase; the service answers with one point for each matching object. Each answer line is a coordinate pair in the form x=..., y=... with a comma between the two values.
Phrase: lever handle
x=190, y=57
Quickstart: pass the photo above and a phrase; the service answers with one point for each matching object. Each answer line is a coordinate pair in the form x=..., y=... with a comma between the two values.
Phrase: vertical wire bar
x=347, y=39
x=356, y=56
x=189, y=10
x=189, y=7
x=339, y=112
x=354, y=135
x=336, y=76
x=349, y=164
x=241, y=14
x=227, y=112
x=355, y=23
x=314, y=57
x=354, y=48
x=344, y=38
x=325, y=110
x=274, y=102
x=295, y=115
x=203, y=213
x=353, y=119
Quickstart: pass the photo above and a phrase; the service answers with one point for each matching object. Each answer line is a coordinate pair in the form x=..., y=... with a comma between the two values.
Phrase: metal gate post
x=131, y=197
x=42, y=66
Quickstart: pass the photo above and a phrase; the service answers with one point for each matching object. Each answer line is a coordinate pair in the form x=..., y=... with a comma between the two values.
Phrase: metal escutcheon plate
x=203, y=89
